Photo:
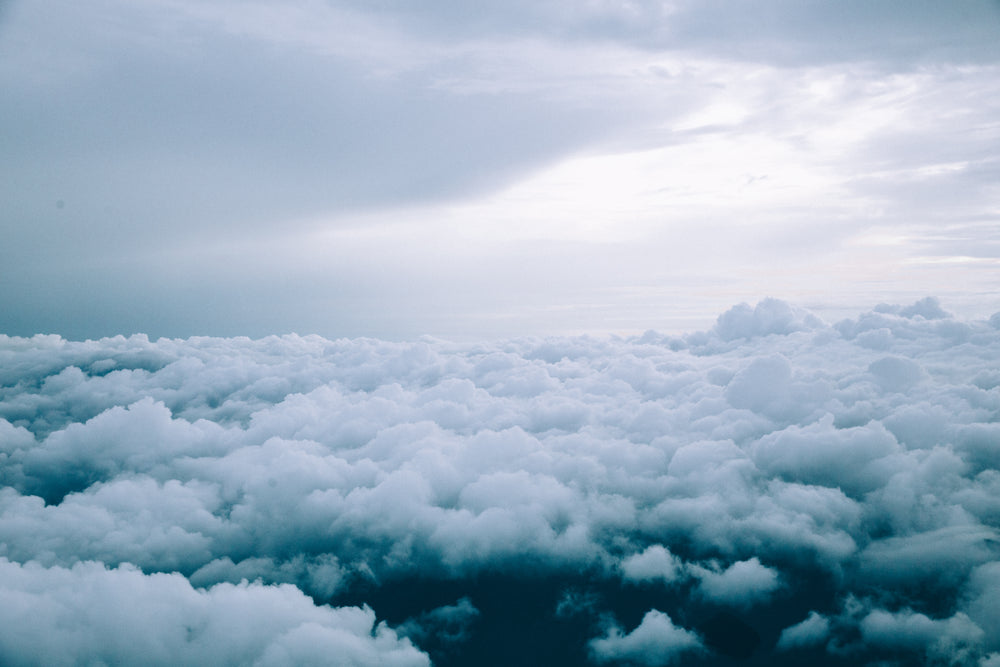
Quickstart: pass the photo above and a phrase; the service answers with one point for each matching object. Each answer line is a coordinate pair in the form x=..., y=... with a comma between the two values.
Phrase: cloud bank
x=88, y=614
x=776, y=488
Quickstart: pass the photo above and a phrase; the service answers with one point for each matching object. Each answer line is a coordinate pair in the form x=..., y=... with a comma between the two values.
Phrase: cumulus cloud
x=851, y=459
x=656, y=641
x=655, y=563
x=742, y=584
x=529, y=487
x=864, y=626
x=812, y=631
x=88, y=614
x=770, y=316
x=949, y=638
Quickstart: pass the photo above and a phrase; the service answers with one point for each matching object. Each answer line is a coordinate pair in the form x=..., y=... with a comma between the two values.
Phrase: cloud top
x=655, y=641
x=832, y=488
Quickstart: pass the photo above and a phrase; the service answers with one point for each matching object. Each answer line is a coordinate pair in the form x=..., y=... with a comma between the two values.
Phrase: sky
x=481, y=170
x=551, y=333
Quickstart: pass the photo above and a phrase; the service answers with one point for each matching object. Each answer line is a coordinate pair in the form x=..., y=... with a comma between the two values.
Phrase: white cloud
x=653, y=564
x=656, y=641
x=739, y=469
x=744, y=584
x=89, y=614
x=824, y=455
x=770, y=316
x=949, y=639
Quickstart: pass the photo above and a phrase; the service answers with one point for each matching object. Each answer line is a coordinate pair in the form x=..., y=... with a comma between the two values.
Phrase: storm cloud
x=775, y=489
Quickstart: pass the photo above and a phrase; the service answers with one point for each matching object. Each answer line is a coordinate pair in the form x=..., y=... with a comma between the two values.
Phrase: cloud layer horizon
x=775, y=490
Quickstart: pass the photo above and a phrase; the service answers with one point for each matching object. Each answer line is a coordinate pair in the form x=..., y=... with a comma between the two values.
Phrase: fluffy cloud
x=948, y=639
x=770, y=316
x=655, y=563
x=88, y=614
x=656, y=641
x=742, y=584
x=812, y=631
x=764, y=469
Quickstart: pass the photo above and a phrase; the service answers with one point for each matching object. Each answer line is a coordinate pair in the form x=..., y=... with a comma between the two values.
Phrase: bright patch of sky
x=482, y=171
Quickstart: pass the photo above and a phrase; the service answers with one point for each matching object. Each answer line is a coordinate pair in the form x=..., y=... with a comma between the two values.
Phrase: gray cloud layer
x=170, y=163
x=735, y=469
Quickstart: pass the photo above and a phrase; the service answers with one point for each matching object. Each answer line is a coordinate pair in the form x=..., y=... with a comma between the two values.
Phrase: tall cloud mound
x=768, y=317
x=775, y=487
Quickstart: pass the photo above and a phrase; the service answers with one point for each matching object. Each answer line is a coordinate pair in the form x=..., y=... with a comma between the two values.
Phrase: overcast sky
x=483, y=169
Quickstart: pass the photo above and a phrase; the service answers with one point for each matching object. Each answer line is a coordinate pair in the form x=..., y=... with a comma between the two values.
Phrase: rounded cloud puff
x=742, y=584
x=770, y=316
x=656, y=641
x=655, y=563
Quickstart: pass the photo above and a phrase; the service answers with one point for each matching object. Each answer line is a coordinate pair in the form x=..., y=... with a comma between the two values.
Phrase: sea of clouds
x=776, y=490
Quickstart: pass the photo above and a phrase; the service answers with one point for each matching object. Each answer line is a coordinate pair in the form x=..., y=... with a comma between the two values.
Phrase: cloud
x=928, y=308
x=814, y=630
x=949, y=639
x=530, y=487
x=655, y=563
x=896, y=374
x=981, y=591
x=656, y=641
x=322, y=575
x=91, y=614
x=863, y=626
x=770, y=316
x=330, y=159
x=742, y=584
x=450, y=624
x=949, y=552
x=823, y=455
